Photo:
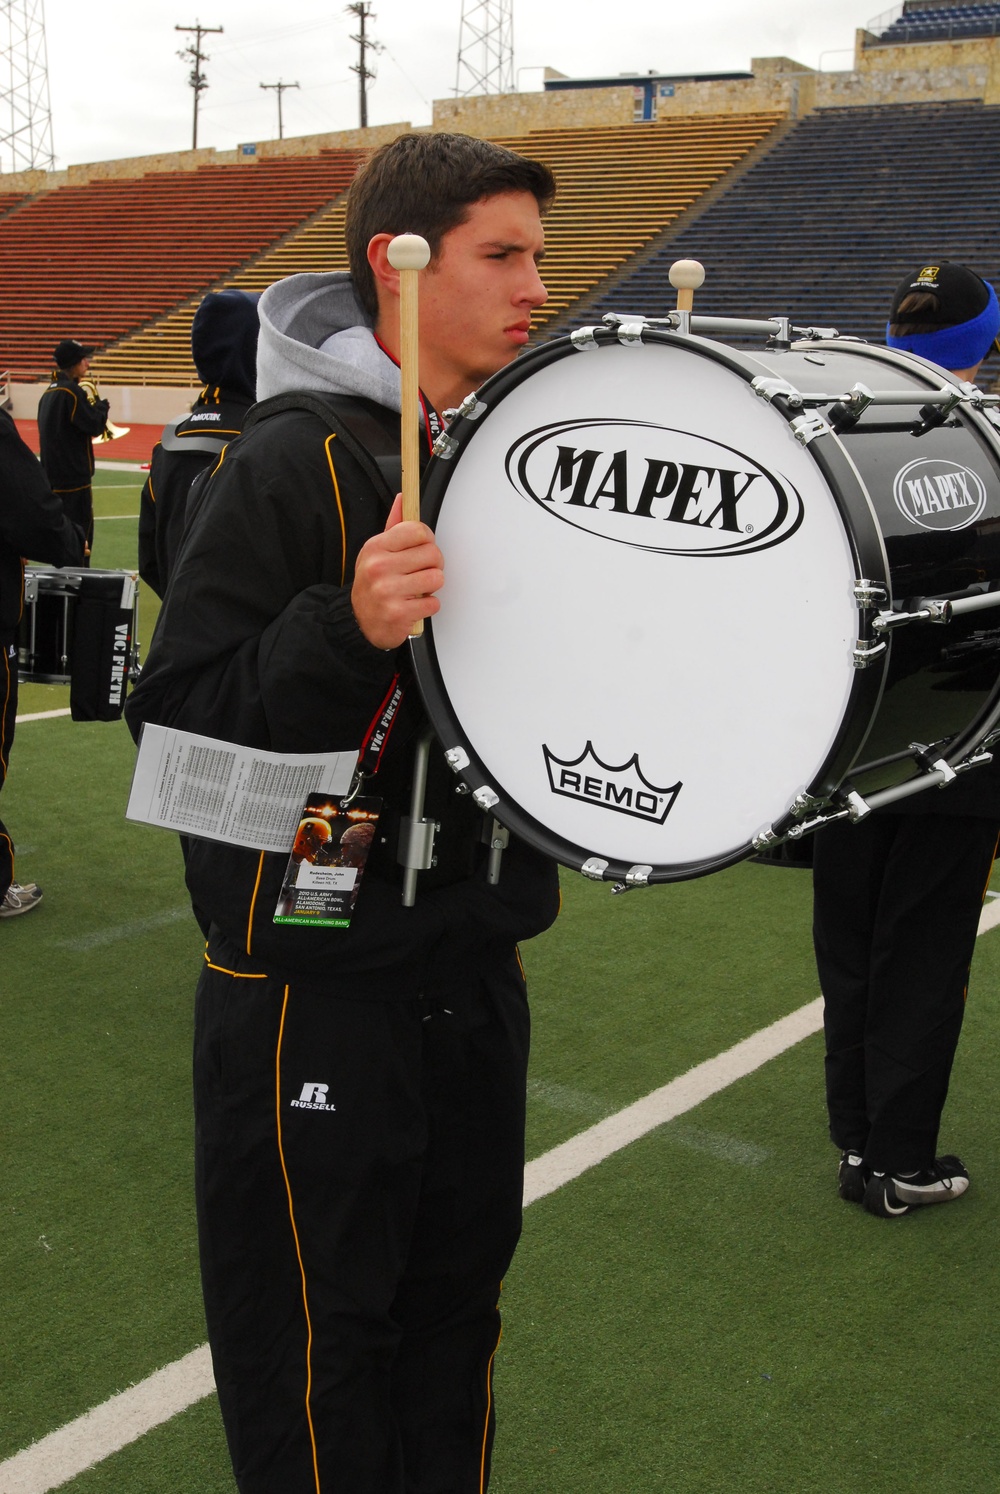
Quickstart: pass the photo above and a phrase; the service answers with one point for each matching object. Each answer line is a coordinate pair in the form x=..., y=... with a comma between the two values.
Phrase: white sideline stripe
x=566, y=1162
x=96, y=1435
x=108, y=1428
x=41, y=715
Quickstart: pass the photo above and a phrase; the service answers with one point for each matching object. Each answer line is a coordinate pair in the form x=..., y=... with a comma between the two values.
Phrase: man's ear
x=386, y=278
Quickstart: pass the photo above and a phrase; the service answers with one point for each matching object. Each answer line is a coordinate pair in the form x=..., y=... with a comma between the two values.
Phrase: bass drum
x=657, y=636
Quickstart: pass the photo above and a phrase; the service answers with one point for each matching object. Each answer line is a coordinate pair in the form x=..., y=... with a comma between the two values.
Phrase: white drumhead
x=647, y=622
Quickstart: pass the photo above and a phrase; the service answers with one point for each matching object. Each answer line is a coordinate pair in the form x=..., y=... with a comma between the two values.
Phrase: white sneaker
x=20, y=899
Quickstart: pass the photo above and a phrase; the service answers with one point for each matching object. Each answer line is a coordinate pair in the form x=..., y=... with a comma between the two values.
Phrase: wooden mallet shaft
x=409, y=254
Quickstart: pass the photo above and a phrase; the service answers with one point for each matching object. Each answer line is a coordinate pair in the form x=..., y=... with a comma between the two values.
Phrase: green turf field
x=698, y=1314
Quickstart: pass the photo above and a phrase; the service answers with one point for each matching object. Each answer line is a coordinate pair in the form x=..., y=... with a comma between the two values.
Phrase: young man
x=67, y=423
x=897, y=897
x=359, y=1092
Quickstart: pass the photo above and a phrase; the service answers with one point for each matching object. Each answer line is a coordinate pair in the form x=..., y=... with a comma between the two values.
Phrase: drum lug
x=807, y=427
x=594, y=868
x=869, y=593
x=771, y=389
x=867, y=653
x=485, y=797
x=457, y=759
x=445, y=446
x=472, y=407
x=857, y=807
x=630, y=333
x=584, y=338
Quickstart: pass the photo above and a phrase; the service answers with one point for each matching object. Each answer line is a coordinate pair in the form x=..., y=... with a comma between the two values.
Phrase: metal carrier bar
x=931, y=609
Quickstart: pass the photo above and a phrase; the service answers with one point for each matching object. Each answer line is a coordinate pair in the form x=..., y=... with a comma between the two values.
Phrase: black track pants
x=359, y=1177
x=8, y=713
x=896, y=907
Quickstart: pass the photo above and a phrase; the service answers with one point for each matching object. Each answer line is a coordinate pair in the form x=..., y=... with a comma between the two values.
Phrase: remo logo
x=653, y=488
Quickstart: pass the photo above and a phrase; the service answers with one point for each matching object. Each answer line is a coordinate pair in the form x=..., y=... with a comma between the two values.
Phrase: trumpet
x=111, y=432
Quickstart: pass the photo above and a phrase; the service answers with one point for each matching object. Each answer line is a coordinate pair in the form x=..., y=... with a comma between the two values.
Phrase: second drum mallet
x=409, y=254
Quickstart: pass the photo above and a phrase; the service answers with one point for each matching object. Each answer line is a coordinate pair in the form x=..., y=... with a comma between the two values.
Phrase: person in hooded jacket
x=897, y=897
x=34, y=523
x=359, y=1092
x=224, y=348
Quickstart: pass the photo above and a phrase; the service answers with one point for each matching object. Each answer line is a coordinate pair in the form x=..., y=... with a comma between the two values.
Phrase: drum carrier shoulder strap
x=355, y=422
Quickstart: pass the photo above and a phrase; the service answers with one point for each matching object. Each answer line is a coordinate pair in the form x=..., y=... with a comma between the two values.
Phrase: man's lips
x=518, y=331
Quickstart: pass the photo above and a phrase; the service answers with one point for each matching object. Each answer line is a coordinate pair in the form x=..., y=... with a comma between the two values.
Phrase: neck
x=440, y=386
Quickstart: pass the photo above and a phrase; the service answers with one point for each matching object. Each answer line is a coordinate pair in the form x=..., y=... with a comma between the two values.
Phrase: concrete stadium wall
x=131, y=404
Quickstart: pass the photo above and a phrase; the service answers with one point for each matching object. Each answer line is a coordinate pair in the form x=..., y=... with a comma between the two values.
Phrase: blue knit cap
x=963, y=328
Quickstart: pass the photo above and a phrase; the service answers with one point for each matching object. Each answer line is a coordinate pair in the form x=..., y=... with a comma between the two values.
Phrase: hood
x=224, y=340
x=314, y=334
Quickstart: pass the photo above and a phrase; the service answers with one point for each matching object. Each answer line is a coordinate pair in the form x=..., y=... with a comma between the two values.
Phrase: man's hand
x=395, y=578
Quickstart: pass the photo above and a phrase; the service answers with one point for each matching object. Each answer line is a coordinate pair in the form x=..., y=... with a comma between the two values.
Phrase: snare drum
x=80, y=628
x=684, y=607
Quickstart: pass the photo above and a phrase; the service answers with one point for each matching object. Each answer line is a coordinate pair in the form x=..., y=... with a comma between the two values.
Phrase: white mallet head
x=687, y=274
x=408, y=251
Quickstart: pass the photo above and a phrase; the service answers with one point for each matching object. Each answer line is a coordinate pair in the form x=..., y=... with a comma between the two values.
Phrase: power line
x=279, y=88
x=192, y=53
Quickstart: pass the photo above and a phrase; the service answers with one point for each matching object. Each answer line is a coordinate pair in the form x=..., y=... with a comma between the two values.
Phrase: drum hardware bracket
x=445, y=446
x=869, y=593
x=472, y=407
x=457, y=759
x=630, y=333
x=584, y=338
x=594, y=868
x=929, y=611
x=497, y=837
x=636, y=876
x=807, y=427
x=865, y=653
x=485, y=797
x=416, y=834
x=771, y=389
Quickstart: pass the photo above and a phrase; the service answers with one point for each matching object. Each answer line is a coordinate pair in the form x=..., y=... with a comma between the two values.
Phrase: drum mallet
x=409, y=254
x=686, y=275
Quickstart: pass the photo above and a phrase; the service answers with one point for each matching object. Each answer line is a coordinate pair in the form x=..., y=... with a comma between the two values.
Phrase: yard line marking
x=62, y=1455
x=42, y=715
x=99, y=517
x=584, y=1151
x=131, y=930
x=109, y=1427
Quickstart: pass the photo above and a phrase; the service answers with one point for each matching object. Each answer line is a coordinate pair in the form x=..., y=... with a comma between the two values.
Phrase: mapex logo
x=653, y=487
x=313, y=1097
x=937, y=494
x=625, y=788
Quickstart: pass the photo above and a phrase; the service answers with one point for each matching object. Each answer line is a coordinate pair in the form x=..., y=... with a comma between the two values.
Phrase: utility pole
x=25, y=116
x=279, y=87
x=362, y=9
x=192, y=53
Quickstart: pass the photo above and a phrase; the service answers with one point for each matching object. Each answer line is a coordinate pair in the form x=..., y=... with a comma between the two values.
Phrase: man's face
x=79, y=369
x=477, y=296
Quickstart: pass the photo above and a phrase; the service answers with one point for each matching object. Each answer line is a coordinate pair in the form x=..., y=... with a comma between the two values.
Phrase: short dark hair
x=426, y=184
x=918, y=312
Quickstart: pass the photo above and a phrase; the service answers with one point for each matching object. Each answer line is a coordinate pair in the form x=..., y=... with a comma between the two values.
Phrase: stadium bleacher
x=925, y=23
x=825, y=224
x=618, y=187
x=94, y=261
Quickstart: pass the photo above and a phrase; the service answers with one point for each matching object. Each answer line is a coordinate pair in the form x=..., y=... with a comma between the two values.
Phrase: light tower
x=485, y=48
x=25, y=115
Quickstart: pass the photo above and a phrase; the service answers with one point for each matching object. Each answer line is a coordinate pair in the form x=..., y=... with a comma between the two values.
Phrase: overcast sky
x=118, y=87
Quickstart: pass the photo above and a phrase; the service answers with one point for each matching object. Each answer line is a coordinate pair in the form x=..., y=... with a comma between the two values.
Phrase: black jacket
x=67, y=425
x=32, y=523
x=185, y=449
x=257, y=643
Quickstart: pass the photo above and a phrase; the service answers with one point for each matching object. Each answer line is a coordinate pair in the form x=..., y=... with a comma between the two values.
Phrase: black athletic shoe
x=891, y=1195
x=852, y=1177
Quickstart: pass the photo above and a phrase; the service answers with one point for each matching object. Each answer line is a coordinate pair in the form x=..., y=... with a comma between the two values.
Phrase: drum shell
x=80, y=628
x=893, y=702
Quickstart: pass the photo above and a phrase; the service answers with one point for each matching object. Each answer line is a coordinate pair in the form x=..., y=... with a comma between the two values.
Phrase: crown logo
x=623, y=788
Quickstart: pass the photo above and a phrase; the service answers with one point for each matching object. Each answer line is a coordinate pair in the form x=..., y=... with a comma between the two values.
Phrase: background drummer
x=897, y=897
x=360, y=1092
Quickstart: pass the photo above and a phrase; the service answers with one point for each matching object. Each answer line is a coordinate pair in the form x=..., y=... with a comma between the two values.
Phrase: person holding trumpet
x=359, y=1092
x=70, y=415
